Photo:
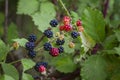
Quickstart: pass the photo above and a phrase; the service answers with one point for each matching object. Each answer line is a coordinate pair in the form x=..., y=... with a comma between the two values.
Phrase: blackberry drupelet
x=48, y=33
x=32, y=53
x=61, y=49
x=30, y=46
x=47, y=46
x=60, y=42
x=74, y=34
x=53, y=23
x=32, y=38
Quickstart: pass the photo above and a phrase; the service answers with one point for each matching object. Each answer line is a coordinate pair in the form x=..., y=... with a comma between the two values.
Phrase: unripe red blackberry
x=54, y=52
x=42, y=68
x=79, y=23
x=67, y=28
x=66, y=20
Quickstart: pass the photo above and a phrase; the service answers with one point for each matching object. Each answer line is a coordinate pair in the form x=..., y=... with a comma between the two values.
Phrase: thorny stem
x=61, y=2
x=106, y=4
x=6, y=21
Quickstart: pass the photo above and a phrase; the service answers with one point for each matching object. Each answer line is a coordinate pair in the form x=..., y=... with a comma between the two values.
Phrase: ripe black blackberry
x=32, y=38
x=74, y=34
x=45, y=64
x=30, y=46
x=48, y=33
x=32, y=53
x=60, y=42
x=61, y=49
x=53, y=23
x=47, y=46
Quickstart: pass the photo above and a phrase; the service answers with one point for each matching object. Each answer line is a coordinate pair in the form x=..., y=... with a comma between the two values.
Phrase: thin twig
x=61, y=2
x=41, y=38
x=6, y=21
x=15, y=62
x=106, y=5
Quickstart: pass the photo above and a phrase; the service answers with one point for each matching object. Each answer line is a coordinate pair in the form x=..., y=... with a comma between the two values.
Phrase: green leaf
x=115, y=77
x=87, y=41
x=109, y=42
x=27, y=64
x=64, y=64
x=42, y=18
x=10, y=71
x=1, y=17
x=93, y=68
x=117, y=49
x=117, y=33
x=3, y=50
x=6, y=77
x=94, y=24
x=27, y=77
x=21, y=41
x=12, y=29
x=74, y=16
x=27, y=6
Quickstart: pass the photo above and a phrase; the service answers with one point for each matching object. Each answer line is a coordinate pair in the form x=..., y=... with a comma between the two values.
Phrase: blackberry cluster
x=36, y=67
x=55, y=51
x=48, y=33
x=60, y=42
x=74, y=34
x=53, y=23
x=31, y=45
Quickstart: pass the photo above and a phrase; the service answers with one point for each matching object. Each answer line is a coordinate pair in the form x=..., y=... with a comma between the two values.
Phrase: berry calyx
x=61, y=37
x=32, y=54
x=57, y=34
x=60, y=42
x=42, y=68
x=30, y=45
x=48, y=33
x=71, y=45
x=54, y=52
x=79, y=23
x=80, y=28
x=53, y=23
x=32, y=38
x=74, y=34
x=47, y=46
x=15, y=45
x=61, y=49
